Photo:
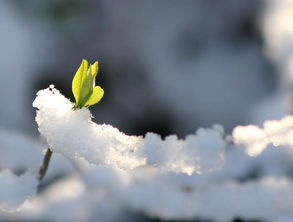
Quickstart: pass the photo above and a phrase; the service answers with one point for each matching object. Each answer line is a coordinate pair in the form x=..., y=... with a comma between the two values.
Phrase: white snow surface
x=256, y=139
x=172, y=196
x=16, y=190
x=70, y=200
x=73, y=134
x=265, y=199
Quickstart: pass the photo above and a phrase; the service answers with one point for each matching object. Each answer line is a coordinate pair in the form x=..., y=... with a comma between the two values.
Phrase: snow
x=267, y=198
x=21, y=154
x=152, y=174
x=206, y=175
x=249, y=178
x=182, y=197
x=277, y=30
x=256, y=139
x=73, y=134
x=15, y=190
x=19, y=151
x=69, y=199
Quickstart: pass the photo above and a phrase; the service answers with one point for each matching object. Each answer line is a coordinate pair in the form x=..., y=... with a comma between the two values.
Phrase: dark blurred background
x=166, y=66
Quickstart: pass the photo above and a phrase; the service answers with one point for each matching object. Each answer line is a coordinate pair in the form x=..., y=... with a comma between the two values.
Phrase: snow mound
x=73, y=134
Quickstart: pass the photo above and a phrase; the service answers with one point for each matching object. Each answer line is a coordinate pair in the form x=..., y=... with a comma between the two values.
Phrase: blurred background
x=166, y=66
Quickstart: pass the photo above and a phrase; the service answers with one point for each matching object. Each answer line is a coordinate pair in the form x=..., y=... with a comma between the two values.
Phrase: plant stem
x=45, y=164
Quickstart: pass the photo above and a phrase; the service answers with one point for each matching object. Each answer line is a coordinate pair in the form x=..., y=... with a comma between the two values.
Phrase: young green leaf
x=94, y=68
x=96, y=96
x=85, y=91
x=83, y=85
x=78, y=79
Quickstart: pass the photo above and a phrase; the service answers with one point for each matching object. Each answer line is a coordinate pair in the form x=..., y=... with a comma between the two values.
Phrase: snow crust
x=73, y=134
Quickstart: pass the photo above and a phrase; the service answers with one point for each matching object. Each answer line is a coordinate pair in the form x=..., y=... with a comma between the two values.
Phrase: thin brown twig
x=45, y=164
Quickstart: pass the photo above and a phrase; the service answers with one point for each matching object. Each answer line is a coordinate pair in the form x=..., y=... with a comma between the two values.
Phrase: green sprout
x=86, y=94
x=83, y=85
